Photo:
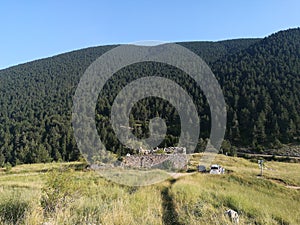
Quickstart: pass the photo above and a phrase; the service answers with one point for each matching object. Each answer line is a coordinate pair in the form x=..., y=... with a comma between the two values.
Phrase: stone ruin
x=172, y=158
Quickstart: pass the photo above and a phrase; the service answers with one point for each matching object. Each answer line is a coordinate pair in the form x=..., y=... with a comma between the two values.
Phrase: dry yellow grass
x=203, y=198
x=195, y=199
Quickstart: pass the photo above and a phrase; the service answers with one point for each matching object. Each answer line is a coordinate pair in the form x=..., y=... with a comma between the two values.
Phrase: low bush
x=59, y=191
x=13, y=209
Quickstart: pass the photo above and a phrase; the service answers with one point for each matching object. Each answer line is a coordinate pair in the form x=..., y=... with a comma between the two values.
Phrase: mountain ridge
x=89, y=49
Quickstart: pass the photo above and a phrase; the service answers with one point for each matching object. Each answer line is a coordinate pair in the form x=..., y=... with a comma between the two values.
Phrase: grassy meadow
x=65, y=193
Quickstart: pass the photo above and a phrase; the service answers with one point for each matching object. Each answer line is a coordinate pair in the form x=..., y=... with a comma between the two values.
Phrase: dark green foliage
x=13, y=210
x=35, y=107
x=259, y=77
x=212, y=51
x=262, y=88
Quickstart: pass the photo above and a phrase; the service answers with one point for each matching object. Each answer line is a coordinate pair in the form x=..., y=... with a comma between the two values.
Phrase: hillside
x=63, y=193
x=212, y=51
x=262, y=84
x=259, y=77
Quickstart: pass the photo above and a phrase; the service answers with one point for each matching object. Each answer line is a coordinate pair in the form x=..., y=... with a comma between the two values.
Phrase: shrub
x=60, y=190
x=13, y=209
x=8, y=167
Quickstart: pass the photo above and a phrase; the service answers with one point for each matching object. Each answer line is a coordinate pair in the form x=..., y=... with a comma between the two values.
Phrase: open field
x=64, y=193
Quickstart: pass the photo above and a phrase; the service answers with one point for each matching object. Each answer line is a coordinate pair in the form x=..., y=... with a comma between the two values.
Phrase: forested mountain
x=262, y=89
x=260, y=79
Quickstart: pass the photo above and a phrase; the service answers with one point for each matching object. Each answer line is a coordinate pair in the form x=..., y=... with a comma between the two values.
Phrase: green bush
x=13, y=209
x=8, y=167
x=59, y=191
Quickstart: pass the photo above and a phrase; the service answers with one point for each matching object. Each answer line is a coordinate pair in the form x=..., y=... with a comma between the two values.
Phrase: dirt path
x=266, y=155
x=170, y=216
x=293, y=187
x=177, y=175
x=279, y=181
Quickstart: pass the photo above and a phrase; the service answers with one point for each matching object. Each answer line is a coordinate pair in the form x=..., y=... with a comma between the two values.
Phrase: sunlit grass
x=132, y=177
x=203, y=198
x=196, y=199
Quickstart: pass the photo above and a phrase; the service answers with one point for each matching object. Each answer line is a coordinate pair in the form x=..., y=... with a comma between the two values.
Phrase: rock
x=233, y=215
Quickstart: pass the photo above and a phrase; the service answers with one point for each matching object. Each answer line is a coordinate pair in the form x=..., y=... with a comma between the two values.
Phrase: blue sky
x=37, y=29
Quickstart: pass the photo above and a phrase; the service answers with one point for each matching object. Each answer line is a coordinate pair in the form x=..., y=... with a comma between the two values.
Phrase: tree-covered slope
x=259, y=77
x=212, y=51
x=35, y=107
x=262, y=89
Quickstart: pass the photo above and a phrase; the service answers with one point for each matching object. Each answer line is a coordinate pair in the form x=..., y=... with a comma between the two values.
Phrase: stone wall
x=162, y=161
